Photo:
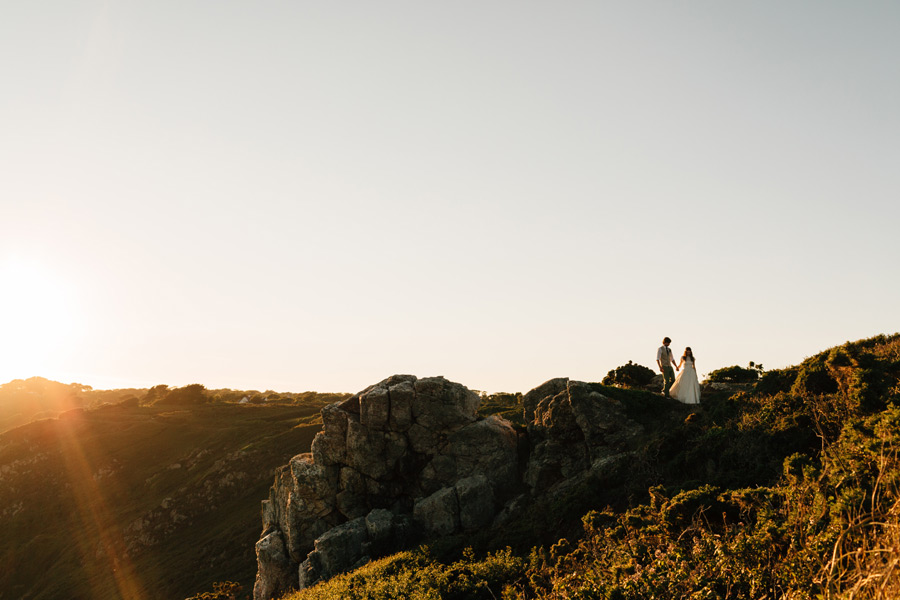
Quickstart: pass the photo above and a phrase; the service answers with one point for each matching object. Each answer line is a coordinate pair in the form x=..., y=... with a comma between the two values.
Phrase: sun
x=37, y=319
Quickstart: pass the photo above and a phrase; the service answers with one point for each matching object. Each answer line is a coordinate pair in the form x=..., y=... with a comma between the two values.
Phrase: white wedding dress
x=686, y=388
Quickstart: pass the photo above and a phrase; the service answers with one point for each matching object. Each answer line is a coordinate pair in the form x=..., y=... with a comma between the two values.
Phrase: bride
x=686, y=388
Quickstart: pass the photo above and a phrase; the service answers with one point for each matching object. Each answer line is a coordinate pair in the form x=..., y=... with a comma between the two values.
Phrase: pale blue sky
x=316, y=195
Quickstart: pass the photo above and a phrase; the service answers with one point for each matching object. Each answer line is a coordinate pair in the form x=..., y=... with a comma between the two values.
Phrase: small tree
x=189, y=394
x=736, y=374
x=629, y=375
x=156, y=394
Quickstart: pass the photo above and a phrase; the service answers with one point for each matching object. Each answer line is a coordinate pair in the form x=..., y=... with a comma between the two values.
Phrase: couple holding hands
x=686, y=387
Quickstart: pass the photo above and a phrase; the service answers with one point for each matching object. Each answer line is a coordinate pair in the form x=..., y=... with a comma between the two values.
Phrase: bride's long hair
x=688, y=353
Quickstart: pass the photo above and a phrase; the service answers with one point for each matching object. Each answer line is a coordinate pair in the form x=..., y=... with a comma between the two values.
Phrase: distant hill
x=138, y=501
x=24, y=400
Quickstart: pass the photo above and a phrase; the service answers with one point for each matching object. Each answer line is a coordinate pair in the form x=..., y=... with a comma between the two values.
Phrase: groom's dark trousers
x=668, y=379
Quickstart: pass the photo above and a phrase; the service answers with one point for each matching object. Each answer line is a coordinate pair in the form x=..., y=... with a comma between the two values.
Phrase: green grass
x=416, y=575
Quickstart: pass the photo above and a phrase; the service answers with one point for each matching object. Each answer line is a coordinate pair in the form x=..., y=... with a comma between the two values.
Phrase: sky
x=297, y=195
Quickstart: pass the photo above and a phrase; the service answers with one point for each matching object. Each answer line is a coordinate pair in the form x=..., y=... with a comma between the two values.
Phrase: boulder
x=275, y=572
x=379, y=526
x=438, y=514
x=475, y=498
x=330, y=444
x=352, y=544
x=572, y=428
x=487, y=447
x=441, y=405
x=375, y=408
x=547, y=389
x=402, y=395
x=335, y=551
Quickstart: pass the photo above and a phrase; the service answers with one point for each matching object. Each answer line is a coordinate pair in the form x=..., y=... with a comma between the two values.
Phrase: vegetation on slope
x=25, y=400
x=789, y=488
x=135, y=500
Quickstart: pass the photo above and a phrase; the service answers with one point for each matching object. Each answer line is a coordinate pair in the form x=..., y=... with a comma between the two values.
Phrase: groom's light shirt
x=664, y=356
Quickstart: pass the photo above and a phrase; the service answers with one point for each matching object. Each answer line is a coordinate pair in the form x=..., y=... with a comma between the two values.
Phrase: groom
x=665, y=362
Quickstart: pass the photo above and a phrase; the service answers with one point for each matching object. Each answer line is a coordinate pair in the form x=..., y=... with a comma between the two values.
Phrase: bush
x=777, y=380
x=189, y=394
x=416, y=575
x=814, y=379
x=629, y=375
x=222, y=590
x=736, y=374
x=508, y=406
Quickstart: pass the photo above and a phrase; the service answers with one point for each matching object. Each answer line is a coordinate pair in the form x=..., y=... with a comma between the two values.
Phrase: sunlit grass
x=415, y=575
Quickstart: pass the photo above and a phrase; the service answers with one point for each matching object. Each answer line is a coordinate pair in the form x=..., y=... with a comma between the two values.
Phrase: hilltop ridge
x=783, y=487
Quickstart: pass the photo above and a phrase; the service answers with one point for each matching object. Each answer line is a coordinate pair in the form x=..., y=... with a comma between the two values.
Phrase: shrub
x=508, y=406
x=629, y=375
x=189, y=394
x=777, y=380
x=814, y=379
x=736, y=374
x=222, y=590
x=416, y=575
x=689, y=505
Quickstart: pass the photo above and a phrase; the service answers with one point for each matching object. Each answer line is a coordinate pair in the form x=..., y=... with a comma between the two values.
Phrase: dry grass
x=865, y=559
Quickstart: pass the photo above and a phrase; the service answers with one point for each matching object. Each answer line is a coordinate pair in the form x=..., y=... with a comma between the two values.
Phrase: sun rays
x=100, y=546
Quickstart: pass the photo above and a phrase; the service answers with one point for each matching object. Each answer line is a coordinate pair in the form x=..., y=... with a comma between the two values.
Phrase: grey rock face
x=336, y=550
x=440, y=405
x=438, y=514
x=379, y=526
x=379, y=454
x=402, y=395
x=572, y=429
x=547, y=389
x=467, y=506
x=276, y=573
x=475, y=497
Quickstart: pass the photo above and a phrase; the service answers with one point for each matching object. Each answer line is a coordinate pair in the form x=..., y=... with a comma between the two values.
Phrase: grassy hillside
x=130, y=501
x=788, y=487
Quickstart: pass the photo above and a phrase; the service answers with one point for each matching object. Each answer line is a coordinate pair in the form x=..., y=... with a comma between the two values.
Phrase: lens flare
x=100, y=544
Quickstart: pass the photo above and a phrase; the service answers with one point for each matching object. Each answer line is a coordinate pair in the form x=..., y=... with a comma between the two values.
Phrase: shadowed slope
x=139, y=502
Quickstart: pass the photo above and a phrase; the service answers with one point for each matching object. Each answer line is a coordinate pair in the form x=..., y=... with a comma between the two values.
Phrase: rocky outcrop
x=407, y=459
x=384, y=461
